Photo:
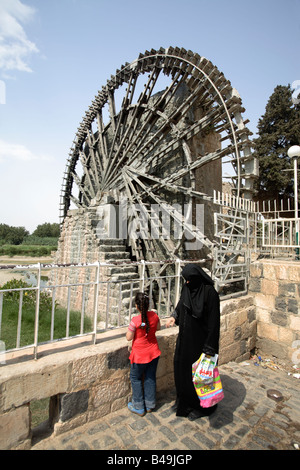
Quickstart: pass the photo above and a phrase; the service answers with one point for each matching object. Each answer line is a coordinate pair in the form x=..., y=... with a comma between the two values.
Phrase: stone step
x=121, y=277
x=112, y=248
x=126, y=290
x=116, y=255
x=112, y=241
x=122, y=270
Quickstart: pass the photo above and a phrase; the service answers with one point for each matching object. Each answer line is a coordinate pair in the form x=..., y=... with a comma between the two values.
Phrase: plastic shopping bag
x=210, y=394
x=203, y=369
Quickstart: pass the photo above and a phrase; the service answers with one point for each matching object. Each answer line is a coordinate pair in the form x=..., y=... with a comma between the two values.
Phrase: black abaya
x=198, y=317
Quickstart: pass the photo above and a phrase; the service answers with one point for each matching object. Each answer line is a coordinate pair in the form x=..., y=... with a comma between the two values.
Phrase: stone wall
x=275, y=286
x=238, y=329
x=79, y=244
x=83, y=384
x=88, y=382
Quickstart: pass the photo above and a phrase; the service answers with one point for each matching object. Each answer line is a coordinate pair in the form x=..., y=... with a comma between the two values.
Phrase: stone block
x=279, y=318
x=233, y=305
x=14, y=427
x=294, y=273
x=281, y=271
x=29, y=386
x=262, y=315
x=64, y=426
x=265, y=330
x=119, y=403
x=295, y=323
x=265, y=301
x=72, y=404
x=287, y=289
x=118, y=359
x=269, y=272
x=251, y=342
x=269, y=287
x=251, y=314
x=237, y=333
x=256, y=270
x=236, y=319
x=245, y=301
x=226, y=339
x=285, y=335
x=293, y=306
x=281, y=303
x=97, y=413
x=110, y=390
x=163, y=367
x=250, y=330
x=88, y=370
x=255, y=284
x=165, y=383
x=228, y=354
x=270, y=347
x=243, y=347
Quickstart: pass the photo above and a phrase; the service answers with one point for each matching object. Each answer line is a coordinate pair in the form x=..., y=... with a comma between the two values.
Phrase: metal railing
x=280, y=233
x=163, y=290
x=272, y=226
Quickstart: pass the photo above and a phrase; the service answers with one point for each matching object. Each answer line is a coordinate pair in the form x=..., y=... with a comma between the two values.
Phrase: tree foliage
x=47, y=230
x=44, y=234
x=278, y=129
x=12, y=235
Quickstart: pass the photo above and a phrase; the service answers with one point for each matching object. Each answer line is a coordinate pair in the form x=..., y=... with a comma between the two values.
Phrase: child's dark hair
x=142, y=302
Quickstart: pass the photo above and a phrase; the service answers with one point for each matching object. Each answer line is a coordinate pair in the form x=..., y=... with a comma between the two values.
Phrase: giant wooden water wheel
x=160, y=133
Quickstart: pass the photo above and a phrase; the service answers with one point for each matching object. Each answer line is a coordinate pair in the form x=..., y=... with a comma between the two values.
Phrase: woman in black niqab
x=198, y=316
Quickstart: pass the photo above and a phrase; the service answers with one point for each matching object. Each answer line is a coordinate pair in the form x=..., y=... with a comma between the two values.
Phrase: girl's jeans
x=147, y=399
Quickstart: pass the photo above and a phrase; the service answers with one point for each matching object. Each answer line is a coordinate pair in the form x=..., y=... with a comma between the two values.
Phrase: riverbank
x=8, y=274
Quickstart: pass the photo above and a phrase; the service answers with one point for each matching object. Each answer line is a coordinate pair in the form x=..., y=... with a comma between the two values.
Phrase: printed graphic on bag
x=203, y=369
x=210, y=394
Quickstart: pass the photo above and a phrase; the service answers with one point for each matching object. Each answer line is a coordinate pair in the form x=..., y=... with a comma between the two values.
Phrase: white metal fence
x=270, y=227
x=17, y=304
x=240, y=228
x=280, y=233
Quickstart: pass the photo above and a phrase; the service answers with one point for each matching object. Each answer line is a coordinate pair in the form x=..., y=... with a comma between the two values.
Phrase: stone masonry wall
x=275, y=286
x=80, y=244
x=83, y=384
x=238, y=329
x=88, y=382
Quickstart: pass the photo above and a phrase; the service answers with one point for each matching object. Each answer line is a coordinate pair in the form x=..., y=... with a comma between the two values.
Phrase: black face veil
x=192, y=295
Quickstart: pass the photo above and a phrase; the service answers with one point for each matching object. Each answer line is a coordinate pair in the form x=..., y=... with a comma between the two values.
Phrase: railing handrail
x=95, y=283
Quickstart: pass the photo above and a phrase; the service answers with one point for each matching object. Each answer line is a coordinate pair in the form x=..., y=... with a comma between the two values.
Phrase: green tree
x=4, y=232
x=47, y=230
x=278, y=129
x=12, y=235
x=17, y=235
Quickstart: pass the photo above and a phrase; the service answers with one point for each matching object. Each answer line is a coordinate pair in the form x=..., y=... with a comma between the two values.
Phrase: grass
x=10, y=311
x=39, y=411
x=27, y=250
x=10, y=322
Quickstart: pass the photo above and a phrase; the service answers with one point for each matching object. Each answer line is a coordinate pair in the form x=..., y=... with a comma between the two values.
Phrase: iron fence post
x=37, y=310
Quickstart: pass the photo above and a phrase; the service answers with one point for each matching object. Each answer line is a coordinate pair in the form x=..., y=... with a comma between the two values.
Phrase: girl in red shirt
x=144, y=356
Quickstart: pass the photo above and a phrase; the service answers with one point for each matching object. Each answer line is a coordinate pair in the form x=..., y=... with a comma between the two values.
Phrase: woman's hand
x=170, y=322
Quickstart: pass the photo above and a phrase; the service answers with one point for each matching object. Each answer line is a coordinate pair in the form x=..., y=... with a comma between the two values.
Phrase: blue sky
x=56, y=54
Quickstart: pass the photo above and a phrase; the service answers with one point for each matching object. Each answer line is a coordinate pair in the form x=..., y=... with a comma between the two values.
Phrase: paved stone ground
x=247, y=419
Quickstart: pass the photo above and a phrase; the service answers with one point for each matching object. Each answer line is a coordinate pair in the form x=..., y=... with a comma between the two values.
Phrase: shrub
x=10, y=316
x=29, y=296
